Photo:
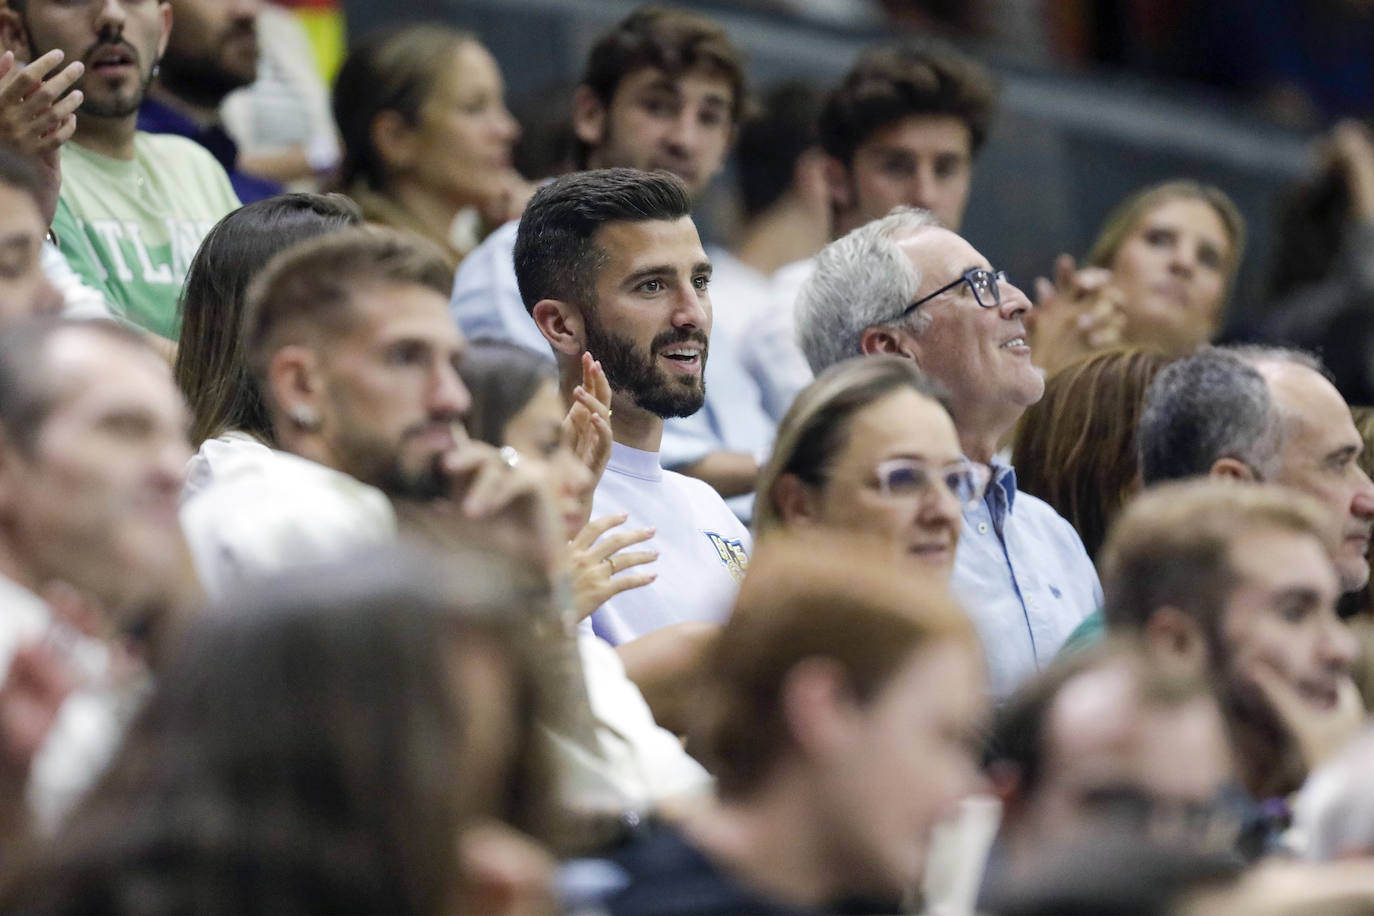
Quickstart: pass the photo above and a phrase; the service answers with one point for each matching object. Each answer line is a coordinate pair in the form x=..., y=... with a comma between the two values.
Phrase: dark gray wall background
x=1065, y=148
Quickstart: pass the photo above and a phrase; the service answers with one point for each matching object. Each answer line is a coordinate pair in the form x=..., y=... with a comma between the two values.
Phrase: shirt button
x=982, y=527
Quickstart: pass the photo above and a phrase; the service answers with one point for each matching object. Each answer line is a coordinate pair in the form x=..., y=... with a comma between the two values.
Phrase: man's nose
x=1362, y=503
x=448, y=396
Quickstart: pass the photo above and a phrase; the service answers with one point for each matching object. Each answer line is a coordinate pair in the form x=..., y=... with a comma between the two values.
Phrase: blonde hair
x=1121, y=222
x=798, y=602
x=816, y=427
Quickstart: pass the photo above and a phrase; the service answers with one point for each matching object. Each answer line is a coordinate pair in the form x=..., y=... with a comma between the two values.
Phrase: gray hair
x=861, y=280
x=1258, y=355
x=1213, y=404
x=1333, y=816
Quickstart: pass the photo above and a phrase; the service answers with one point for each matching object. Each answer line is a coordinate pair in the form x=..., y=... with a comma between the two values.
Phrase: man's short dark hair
x=556, y=255
x=674, y=41
x=28, y=390
x=20, y=173
x=1211, y=405
x=772, y=140
x=890, y=84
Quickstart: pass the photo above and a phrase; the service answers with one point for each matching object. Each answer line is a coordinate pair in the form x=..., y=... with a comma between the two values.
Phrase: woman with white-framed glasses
x=869, y=446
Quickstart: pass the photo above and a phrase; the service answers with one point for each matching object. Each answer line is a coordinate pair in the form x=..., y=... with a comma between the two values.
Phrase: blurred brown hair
x=812, y=596
x=1076, y=449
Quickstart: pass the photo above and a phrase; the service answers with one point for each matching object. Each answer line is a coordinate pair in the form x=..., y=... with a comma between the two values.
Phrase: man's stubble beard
x=1268, y=759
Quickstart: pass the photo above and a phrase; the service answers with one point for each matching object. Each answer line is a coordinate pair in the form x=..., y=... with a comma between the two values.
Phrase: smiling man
x=134, y=206
x=609, y=262
x=1237, y=583
x=903, y=285
x=663, y=89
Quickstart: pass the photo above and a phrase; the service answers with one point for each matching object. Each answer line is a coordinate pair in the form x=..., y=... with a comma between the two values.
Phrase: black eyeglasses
x=986, y=286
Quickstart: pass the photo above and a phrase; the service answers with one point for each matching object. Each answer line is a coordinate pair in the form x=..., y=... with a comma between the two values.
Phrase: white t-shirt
x=268, y=511
x=259, y=511
x=703, y=548
x=90, y=722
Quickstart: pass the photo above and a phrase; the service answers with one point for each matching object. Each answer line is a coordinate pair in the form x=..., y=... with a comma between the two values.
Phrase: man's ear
x=795, y=501
x=588, y=116
x=1175, y=639
x=562, y=326
x=13, y=35
x=838, y=180
x=165, y=9
x=879, y=340
x=393, y=139
x=295, y=383
x=1232, y=469
x=816, y=702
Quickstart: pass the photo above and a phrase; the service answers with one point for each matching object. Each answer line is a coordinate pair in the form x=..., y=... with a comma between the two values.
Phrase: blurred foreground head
x=1106, y=744
x=847, y=689
x=1236, y=582
x=92, y=451
x=323, y=744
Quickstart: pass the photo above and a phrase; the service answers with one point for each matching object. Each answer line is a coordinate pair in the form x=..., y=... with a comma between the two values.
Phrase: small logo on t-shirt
x=731, y=553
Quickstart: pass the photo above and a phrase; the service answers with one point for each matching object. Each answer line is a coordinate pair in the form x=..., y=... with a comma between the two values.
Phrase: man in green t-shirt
x=134, y=206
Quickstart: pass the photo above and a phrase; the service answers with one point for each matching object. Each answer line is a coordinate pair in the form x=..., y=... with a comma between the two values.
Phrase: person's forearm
x=730, y=473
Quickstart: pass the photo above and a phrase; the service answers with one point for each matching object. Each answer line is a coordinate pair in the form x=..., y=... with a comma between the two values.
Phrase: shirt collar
x=635, y=462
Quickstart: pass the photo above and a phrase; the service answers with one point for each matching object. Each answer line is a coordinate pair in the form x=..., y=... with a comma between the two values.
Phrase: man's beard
x=378, y=464
x=650, y=387
x=1267, y=755
x=93, y=105
x=200, y=81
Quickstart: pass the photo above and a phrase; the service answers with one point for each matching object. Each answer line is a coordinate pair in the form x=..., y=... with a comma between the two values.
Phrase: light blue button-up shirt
x=1024, y=578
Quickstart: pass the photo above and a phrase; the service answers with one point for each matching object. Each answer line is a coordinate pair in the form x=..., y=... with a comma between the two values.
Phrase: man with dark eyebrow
x=1237, y=583
x=902, y=129
x=663, y=89
x=609, y=262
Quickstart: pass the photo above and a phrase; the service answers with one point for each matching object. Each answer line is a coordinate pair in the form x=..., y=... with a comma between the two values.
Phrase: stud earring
x=305, y=418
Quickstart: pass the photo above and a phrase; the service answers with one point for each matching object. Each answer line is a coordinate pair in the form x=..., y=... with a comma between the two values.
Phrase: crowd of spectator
x=432, y=537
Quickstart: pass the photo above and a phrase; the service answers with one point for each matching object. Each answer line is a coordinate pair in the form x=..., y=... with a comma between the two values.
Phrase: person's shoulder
x=499, y=243
x=1032, y=512
x=700, y=492
x=182, y=156
x=666, y=876
x=172, y=146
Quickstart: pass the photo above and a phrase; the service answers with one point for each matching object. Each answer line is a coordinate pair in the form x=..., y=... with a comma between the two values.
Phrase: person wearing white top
x=634, y=110
x=643, y=310
x=365, y=415
x=89, y=471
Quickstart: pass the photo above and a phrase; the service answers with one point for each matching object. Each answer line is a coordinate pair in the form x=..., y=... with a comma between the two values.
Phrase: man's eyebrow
x=703, y=267
x=663, y=84
x=644, y=273
x=1300, y=594
x=1344, y=453
x=16, y=241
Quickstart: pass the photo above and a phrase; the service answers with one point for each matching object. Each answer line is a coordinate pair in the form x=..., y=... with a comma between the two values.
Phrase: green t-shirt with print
x=130, y=229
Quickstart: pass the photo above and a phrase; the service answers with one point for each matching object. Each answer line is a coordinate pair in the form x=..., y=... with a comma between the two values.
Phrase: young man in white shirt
x=350, y=341
x=609, y=262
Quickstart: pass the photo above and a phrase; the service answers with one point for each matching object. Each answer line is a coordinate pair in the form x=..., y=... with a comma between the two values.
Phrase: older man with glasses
x=903, y=285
